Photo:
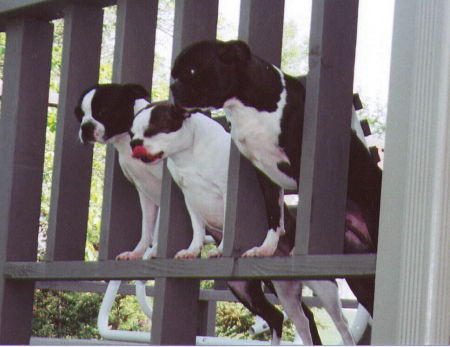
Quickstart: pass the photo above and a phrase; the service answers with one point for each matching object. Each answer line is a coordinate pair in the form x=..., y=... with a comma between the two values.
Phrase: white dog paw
x=129, y=255
x=150, y=253
x=187, y=254
x=215, y=253
x=259, y=252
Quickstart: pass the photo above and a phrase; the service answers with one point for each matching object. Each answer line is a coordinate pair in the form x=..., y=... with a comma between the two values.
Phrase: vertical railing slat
x=22, y=141
x=326, y=135
x=246, y=221
x=133, y=63
x=72, y=165
x=174, y=319
x=176, y=300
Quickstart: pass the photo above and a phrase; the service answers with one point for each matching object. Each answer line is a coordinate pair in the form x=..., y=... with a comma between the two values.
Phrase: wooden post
x=22, y=141
x=133, y=63
x=414, y=243
x=174, y=319
x=326, y=135
x=176, y=300
x=246, y=221
x=69, y=207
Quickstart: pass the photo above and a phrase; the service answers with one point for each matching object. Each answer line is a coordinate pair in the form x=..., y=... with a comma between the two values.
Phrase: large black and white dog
x=265, y=108
x=197, y=149
x=106, y=113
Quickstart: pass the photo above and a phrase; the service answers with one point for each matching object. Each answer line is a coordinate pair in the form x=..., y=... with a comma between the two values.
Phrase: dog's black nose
x=136, y=142
x=87, y=132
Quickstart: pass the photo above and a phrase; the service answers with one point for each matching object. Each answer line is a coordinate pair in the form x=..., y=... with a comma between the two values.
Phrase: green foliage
x=294, y=57
x=126, y=314
x=65, y=314
x=233, y=320
x=59, y=314
x=375, y=113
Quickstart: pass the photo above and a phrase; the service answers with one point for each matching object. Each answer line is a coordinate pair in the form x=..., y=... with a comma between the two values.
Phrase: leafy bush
x=58, y=314
x=65, y=314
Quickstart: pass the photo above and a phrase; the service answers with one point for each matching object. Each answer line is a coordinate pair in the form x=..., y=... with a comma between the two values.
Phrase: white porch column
x=412, y=297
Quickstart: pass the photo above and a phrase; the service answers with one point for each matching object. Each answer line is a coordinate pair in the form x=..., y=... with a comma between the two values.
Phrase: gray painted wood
x=246, y=220
x=72, y=166
x=176, y=301
x=133, y=63
x=261, y=26
x=22, y=139
x=326, y=135
x=305, y=266
x=195, y=20
x=40, y=9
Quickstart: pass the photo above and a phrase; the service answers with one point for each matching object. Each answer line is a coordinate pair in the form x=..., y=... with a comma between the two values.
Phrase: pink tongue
x=139, y=152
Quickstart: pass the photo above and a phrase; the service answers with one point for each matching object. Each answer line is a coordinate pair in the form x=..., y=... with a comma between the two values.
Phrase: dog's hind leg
x=289, y=295
x=327, y=292
x=251, y=295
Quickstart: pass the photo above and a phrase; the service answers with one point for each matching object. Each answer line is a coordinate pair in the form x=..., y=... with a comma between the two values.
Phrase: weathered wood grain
x=66, y=235
x=307, y=266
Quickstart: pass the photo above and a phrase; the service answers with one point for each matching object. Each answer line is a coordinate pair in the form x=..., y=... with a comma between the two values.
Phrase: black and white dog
x=265, y=108
x=197, y=150
x=106, y=113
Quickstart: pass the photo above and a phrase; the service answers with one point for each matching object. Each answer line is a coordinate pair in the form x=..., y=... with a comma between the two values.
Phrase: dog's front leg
x=198, y=227
x=149, y=215
x=274, y=202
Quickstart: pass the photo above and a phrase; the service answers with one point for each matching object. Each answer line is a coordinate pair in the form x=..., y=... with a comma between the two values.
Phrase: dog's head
x=206, y=74
x=157, y=132
x=107, y=110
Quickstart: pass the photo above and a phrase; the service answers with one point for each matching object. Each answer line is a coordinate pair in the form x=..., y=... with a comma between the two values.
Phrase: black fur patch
x=112, y=105
x=165, y=118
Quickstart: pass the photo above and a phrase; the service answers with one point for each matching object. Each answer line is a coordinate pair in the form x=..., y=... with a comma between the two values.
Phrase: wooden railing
x=22, y=136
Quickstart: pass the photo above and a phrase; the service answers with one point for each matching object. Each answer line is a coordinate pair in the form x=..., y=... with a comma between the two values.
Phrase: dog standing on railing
x=197, y=152
x=265, y=108
x=106, y=113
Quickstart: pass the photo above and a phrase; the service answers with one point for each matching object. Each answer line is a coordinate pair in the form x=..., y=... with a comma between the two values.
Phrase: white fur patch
x=86, y=107
x=256, y=133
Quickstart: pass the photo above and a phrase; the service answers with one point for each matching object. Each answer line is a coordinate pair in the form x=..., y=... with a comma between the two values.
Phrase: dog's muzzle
x=87, y=132
x=140, y=152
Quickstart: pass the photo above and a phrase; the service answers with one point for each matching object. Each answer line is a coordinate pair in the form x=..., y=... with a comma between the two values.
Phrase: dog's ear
x=235, y=51
x=136, y=91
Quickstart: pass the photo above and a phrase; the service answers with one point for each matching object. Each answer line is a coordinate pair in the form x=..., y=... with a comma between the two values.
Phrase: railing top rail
x=42, y=9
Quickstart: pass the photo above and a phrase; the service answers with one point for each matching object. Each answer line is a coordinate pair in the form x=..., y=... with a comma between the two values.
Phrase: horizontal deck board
x=310, y=266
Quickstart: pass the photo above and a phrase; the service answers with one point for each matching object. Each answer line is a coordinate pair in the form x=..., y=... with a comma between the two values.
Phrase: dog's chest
x=146, y=178
x=203, y=189
x=256, y=134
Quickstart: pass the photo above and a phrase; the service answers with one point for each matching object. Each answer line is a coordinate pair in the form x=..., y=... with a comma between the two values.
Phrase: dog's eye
x=192, y=72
